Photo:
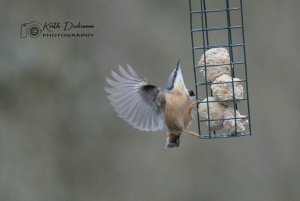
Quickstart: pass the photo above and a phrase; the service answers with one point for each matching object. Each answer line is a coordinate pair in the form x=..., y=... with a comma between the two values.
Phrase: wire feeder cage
x=219, y=24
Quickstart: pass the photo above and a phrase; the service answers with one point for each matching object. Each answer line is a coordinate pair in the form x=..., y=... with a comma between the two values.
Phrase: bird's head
x=175, y=79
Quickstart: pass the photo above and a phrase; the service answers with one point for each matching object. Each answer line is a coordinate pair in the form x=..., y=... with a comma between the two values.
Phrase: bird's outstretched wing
x=135, y=100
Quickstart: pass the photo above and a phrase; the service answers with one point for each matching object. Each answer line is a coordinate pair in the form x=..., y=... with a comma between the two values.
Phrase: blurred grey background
x=61, y=140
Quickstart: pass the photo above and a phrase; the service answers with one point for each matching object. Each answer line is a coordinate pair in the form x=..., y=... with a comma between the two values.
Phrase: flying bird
x=147, y=107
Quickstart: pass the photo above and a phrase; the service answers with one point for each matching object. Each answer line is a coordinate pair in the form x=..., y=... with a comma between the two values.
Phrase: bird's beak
x=175, y=77
x=178, y=66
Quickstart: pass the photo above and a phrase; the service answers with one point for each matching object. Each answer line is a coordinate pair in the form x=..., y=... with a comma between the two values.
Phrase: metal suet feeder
x=220, y=68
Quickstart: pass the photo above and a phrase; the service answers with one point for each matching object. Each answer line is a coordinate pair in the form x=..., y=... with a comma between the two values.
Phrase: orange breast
x=177, y=110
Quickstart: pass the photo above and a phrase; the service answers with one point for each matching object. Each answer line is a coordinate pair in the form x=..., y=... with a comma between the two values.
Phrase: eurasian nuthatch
x=146, y=107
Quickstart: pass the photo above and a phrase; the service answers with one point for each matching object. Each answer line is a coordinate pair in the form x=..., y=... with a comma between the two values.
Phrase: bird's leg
x=194, y=104
x=191, y=92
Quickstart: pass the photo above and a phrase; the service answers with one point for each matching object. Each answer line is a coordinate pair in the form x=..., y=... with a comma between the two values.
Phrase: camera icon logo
x=32, y=29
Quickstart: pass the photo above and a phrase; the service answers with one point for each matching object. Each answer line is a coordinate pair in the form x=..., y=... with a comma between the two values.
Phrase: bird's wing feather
x=135, y=100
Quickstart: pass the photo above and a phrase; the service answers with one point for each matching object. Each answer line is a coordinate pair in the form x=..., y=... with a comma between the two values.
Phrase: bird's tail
x=173, y=140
